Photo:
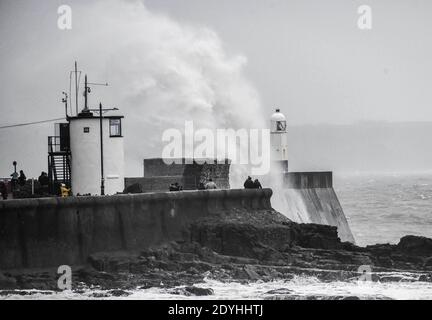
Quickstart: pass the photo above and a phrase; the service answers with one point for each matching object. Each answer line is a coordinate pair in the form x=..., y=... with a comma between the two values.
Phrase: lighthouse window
x=280, y=125
x=115, y=128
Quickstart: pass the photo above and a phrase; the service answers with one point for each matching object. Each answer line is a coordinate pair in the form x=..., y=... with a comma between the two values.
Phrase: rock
x=100, y=295
x=280, y=291
x=193, y=271
x=112, y=261
x=425, y=278
x=392, y=278
x=196, y=291
x=244, y=246
x=7, y=282
x=118, y=293
x=383, y=261
x=250, y=271
x=428, y=262
x=318, y=236
x=415, y=245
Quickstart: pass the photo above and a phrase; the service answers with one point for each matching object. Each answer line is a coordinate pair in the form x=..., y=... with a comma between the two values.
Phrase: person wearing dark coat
x=22, y=179
x=43, y=179
x=175, y=187
x=3, y=190
x=257, y=184
x=201, y=186
x=248, y=183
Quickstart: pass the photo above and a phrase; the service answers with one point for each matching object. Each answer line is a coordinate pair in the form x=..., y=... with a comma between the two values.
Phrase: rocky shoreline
x=242, y=246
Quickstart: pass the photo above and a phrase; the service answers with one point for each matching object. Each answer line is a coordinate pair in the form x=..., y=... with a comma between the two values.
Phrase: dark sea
x=383, y=208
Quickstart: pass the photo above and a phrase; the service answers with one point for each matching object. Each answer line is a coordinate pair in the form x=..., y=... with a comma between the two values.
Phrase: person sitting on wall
x=22, y=179
x=3, y=190
x=249, y=184
x=64, y=191
x=257, y=184
x=175, y=187
x=201, y=186
x=210, y=185
x=43, y=179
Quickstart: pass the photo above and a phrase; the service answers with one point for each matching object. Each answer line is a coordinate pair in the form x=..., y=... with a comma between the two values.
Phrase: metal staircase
x=59, y=164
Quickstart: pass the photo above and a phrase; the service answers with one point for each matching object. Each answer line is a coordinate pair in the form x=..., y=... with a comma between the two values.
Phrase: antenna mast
x=76, y=87
x=64, y=100
x=86, y=91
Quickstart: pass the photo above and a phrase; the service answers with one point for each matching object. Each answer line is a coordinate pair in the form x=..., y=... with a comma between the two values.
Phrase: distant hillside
x=369, y=146
x=362, y=147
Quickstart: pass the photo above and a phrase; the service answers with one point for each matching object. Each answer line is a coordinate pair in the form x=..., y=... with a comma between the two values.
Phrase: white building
x=278, y=137
x=85, y=150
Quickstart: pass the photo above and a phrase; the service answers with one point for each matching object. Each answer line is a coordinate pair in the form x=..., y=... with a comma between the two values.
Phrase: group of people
x=209, y=185
x=252, y=184
x=15, y=181
x=18, y=179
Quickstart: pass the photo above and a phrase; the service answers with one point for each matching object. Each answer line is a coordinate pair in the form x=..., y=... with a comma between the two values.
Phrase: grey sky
x=309, y=57
x=306, y=57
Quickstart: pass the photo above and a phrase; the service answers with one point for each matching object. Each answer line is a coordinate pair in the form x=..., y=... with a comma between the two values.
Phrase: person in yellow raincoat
x=64, y=191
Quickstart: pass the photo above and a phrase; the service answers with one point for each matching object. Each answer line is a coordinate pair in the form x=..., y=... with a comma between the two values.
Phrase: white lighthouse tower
x=97, y=155
x=86, y=154
x=279, y=140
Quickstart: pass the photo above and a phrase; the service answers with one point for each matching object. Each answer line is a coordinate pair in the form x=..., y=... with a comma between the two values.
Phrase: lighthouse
x=86, y=153
x=97, y=155
x=279, y=141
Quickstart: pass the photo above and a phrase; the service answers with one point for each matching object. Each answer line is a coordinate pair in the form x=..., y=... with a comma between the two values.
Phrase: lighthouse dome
x=278, y=116
x=278, y=122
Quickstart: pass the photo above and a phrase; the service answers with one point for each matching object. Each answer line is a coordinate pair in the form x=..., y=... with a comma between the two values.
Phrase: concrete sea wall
x=309, y=197
x=304, y=197
x=54, y=231
x=317, y=205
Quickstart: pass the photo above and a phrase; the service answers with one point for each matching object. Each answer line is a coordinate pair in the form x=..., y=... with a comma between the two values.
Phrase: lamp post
x=14, y=177
x=100, y=110
x=101, y=151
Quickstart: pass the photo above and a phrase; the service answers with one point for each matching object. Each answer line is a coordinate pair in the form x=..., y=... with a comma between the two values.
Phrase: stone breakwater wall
x=48, y=232
x=309, y=197
x=187, y=172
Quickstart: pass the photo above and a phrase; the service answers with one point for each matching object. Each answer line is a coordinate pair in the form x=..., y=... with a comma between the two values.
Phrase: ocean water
x=379, y=209
x=383, y=208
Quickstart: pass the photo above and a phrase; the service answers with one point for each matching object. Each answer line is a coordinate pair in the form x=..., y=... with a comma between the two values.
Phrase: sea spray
x=160, y=72
x=167, y=73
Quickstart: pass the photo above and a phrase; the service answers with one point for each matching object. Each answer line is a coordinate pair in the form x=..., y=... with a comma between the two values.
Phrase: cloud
x=160, y=72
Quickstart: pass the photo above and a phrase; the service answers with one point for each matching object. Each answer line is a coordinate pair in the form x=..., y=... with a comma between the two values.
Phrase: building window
x=86, y=129
x=280, y=126
x=115, y=128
